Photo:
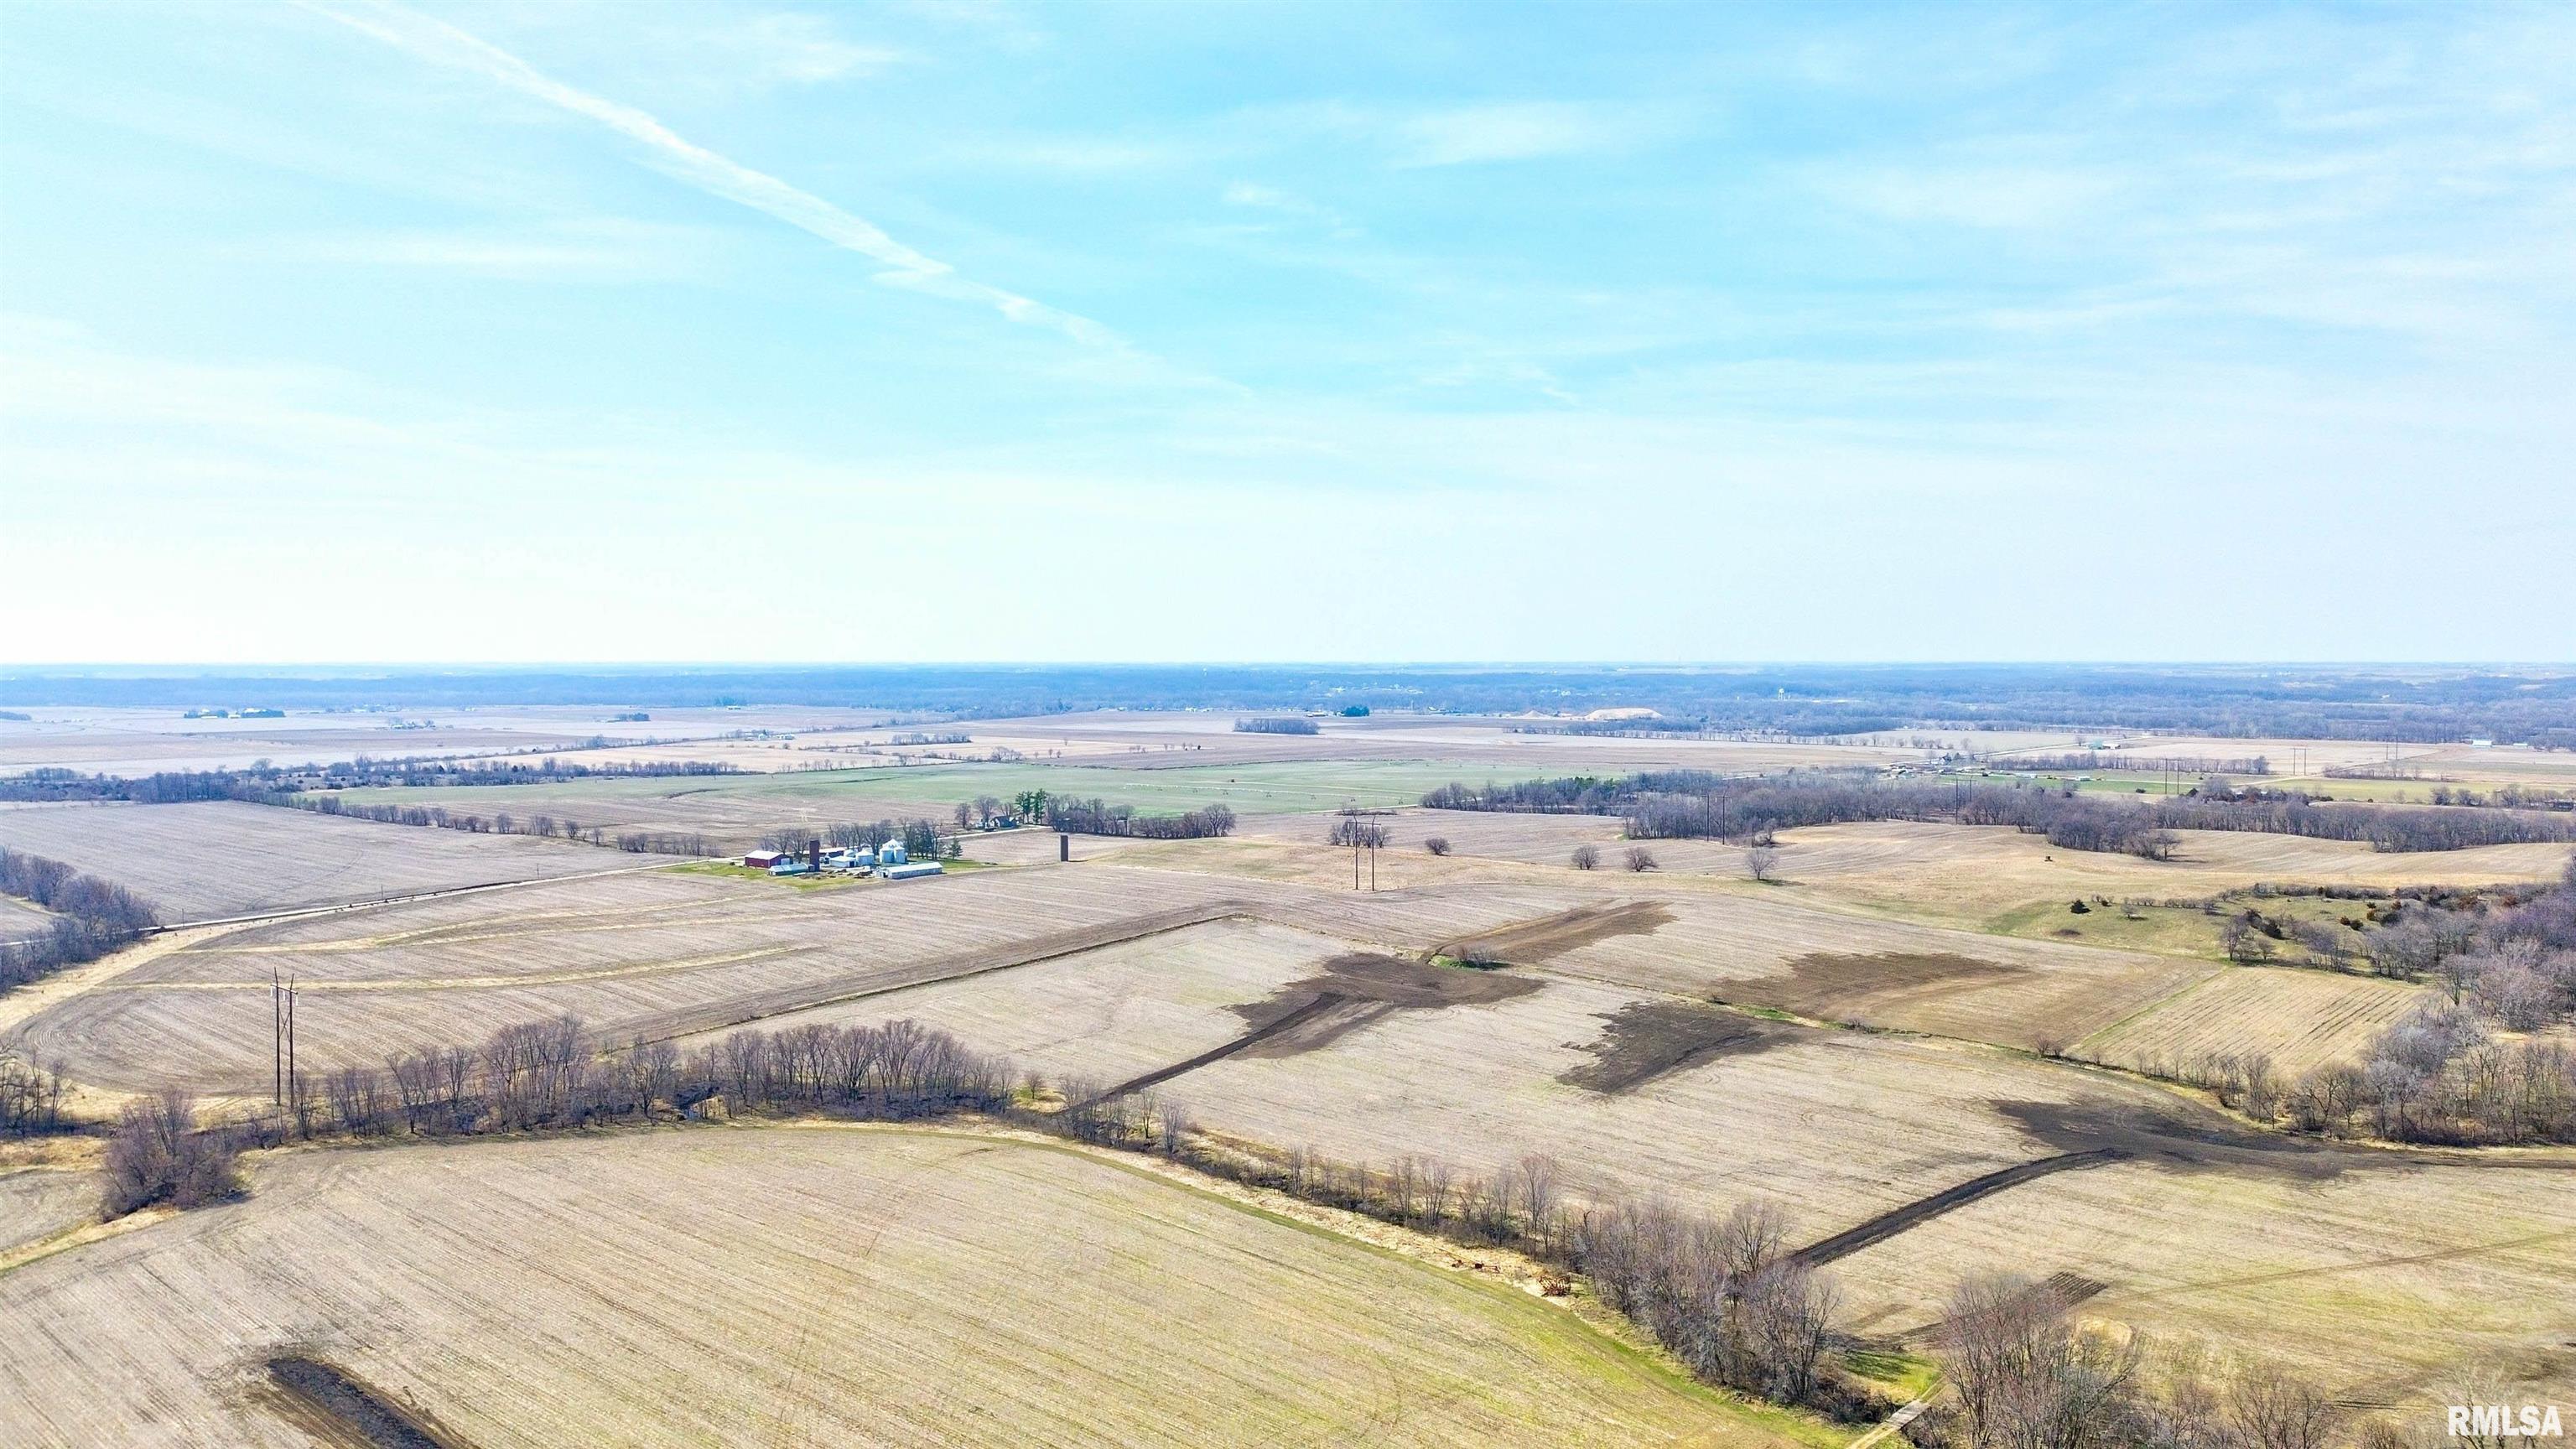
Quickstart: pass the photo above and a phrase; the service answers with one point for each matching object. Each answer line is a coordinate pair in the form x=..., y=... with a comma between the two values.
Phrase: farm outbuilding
x=763, y=859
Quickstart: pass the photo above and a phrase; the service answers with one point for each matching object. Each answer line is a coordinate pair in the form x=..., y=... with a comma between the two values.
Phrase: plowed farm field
x=220, y=858
x=795, y=1287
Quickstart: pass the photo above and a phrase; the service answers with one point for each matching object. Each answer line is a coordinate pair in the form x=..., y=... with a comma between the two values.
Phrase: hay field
x=793, y=1287
x=221, y=858
x=2383, y=1284
x=2301, y=1019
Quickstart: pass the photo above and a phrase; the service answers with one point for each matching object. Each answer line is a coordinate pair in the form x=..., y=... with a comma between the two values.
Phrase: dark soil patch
x=2176, y=1136
x=340, y=1409
x=1525, y=943
x=1645, y=1040
x=1359, y=988
x=1839, y=988
x=1351, y=991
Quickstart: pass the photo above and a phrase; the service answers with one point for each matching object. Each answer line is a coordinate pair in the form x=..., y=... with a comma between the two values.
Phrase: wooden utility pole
x=1361, y=825
x=276, y=1041
x=294, y=1084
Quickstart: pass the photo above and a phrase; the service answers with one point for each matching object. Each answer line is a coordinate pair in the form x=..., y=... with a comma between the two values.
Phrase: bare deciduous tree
x=1585, y=857
x=1762, y=862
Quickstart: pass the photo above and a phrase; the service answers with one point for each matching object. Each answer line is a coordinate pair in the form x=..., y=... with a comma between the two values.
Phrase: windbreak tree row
x=1687, y=804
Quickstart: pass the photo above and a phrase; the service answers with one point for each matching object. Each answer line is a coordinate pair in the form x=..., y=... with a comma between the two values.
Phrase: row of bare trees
x=920, y=838
x=501, y=822
x=1091, y=817
x=91, y=917
x=552, y=1074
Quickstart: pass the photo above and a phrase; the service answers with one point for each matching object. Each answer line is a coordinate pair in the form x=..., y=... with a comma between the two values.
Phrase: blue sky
x=374, y=332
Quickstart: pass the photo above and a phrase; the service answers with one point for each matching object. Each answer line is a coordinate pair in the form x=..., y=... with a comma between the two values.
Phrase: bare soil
x=1649, y=1039
x=1350, y=992
x=1836, y=987
x=1526, y=943
x=343, y=1410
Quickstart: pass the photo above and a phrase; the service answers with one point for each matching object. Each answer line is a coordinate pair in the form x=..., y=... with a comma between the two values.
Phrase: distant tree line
x=2107, y=760
x=259, y=783
x=2508, y=797
x=91, y=917
x=164, y=788
x=1091, y=817
x=1784, y=726
x=364, y=772
x=502, y=822
x=1691, y=804
x=1287, y=725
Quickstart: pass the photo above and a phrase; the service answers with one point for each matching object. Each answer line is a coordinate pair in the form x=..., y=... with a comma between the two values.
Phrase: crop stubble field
x=2300, y=1019
x=219, y=858
x=822, y=1286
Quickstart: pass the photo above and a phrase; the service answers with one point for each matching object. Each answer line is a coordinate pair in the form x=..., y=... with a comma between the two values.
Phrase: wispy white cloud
x=2003, y=197
x=1519, y=131
x=1288, y=203
x=1457, y=135
x=444, y=44
x=802, y=49
x=600, y=249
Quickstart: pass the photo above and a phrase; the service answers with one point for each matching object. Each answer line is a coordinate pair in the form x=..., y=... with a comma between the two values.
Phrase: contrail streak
x=444, y=44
